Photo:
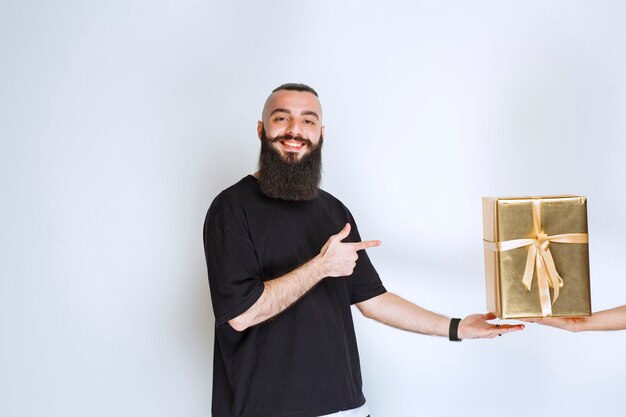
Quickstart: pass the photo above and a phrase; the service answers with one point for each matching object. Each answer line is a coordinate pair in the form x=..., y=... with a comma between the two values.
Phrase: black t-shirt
x=303, y=362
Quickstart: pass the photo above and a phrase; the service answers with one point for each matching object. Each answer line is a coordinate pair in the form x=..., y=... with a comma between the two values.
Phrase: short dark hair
x=295, y=87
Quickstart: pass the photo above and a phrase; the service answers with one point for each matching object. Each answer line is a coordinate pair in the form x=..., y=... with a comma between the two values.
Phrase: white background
x=121, y=120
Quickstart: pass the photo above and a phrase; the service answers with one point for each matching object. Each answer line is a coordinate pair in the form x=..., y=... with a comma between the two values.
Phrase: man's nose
x=294, y=129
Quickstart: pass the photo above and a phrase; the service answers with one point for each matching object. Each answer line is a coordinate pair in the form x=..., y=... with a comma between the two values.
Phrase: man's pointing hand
x=338, y=259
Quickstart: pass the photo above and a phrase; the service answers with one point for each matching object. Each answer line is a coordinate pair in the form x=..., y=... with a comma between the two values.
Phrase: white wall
x=121, y=120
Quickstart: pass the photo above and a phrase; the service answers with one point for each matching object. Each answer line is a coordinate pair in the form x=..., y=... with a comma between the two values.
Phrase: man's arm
x=393, y=310
x=336, y=259
x=613, y=319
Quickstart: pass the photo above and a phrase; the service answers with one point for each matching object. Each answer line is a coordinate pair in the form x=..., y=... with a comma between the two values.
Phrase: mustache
x=288, y=137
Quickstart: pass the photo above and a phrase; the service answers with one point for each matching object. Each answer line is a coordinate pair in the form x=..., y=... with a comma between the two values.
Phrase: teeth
x=293, y=145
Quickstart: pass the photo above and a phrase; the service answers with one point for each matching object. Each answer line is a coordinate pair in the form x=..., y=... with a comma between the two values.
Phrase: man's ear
x=259, y=128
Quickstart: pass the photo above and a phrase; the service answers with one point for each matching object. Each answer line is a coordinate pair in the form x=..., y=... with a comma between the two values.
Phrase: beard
x=290, y=178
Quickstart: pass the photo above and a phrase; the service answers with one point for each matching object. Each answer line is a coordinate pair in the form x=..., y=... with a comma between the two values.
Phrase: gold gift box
x=536, y=256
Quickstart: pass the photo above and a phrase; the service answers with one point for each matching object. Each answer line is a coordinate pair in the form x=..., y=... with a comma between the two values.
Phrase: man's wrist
x=453, y=331
x=316, y=268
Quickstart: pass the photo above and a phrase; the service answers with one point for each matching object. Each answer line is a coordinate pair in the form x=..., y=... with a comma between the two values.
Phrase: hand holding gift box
x=535, y=247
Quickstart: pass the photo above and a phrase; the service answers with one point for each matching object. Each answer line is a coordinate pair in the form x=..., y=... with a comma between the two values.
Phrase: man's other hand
x=476, y=326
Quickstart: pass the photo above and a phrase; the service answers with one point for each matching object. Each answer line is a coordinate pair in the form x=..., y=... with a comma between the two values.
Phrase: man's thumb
x=344, y=232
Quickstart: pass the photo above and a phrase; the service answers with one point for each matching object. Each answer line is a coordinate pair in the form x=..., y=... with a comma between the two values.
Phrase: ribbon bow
x=540, y=257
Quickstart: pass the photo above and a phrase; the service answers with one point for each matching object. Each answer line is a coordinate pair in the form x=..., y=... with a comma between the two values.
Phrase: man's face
x=292, y=121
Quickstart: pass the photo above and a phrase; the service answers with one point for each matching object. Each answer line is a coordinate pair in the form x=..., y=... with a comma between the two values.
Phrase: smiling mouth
x=292, y=145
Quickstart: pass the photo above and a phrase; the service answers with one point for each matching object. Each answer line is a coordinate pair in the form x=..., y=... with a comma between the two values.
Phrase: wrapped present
x=536, y=256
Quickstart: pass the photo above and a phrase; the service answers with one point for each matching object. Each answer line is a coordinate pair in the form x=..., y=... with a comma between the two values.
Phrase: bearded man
x=285, y=263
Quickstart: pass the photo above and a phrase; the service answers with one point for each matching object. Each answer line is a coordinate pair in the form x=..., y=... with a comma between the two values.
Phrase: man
x=285, y=263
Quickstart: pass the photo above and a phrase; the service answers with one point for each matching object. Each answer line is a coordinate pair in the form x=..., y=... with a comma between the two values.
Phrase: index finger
x=365, y=244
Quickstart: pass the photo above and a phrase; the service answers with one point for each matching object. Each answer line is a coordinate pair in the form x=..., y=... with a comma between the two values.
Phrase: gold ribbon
x=539, y=255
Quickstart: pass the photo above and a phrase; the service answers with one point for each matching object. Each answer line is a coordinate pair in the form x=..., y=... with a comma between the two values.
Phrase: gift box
x=536, y=256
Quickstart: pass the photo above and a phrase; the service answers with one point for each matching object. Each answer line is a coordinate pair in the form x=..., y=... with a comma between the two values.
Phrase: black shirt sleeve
x=232, y=263
x=364, y=282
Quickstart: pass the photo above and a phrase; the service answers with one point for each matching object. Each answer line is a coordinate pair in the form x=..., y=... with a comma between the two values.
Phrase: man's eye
x=309, y=122
x=280, y=119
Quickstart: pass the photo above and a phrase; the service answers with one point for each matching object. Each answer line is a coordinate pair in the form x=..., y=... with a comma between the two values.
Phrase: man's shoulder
x=235, y=197
x=326, y=196
x=241, y=190
x=330, y=200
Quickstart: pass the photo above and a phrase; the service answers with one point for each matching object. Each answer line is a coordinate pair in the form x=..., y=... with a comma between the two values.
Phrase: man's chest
x=287, y=237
